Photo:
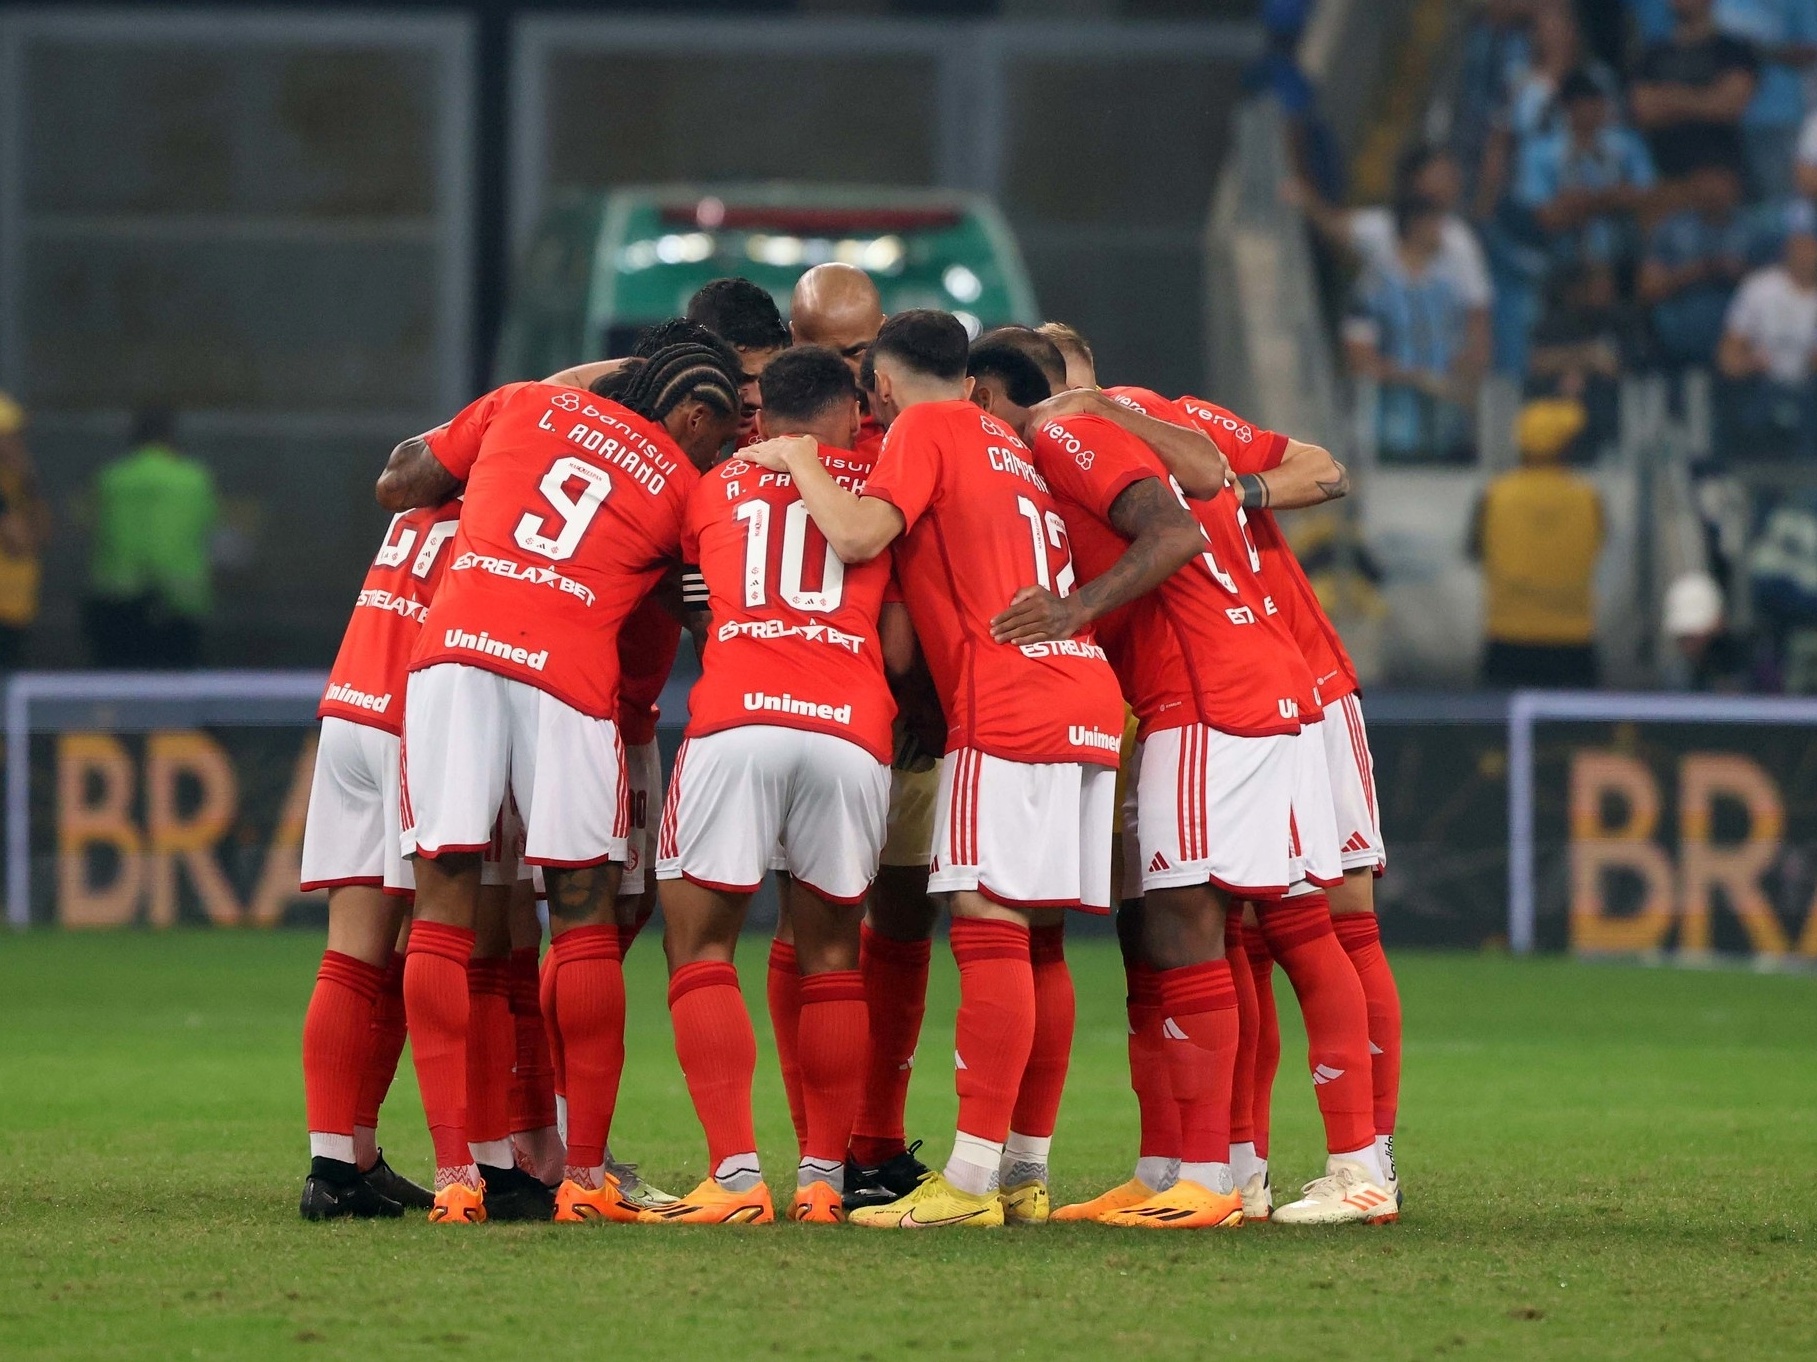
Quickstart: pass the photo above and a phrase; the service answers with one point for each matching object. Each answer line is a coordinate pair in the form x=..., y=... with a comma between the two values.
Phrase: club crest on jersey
x=566, y=401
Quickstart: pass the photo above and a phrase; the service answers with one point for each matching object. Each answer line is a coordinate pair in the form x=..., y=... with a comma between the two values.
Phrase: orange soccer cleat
x=459, y=1204
x=817, y=1204
x=576, y=1205
x=1119, y=1198
x=711, y=1204
x=1184, y=1206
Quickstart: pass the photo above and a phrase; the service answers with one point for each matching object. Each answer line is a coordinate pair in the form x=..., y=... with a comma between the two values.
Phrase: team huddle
x=976, y=635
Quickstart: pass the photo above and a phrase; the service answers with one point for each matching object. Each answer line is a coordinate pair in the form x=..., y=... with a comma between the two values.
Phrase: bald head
x=836, y=306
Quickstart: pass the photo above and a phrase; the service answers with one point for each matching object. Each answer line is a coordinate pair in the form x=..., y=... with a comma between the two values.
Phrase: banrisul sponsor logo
x=1080, y=735
x=493, y=647
x=785, y=703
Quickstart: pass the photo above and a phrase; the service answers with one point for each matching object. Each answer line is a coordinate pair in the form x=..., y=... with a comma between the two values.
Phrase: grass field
x=1600, y=1162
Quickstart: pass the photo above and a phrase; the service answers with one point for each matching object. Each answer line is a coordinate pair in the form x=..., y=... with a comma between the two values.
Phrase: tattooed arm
x=1306, y=476
x=1163, y=537
x=414, y=477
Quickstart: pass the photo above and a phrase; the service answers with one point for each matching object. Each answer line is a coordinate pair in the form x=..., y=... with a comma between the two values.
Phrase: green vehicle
x=602, y=267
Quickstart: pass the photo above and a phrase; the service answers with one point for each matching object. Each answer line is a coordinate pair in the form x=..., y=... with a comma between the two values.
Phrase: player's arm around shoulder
x=857, y=527
x=1307, y=475
x=414, y=477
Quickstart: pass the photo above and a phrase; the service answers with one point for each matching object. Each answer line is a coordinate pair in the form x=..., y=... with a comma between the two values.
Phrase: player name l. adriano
x=788, y=704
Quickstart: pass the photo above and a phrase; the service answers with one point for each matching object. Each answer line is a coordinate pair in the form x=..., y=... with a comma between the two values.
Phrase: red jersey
x=573, y=509
x=1256, y=451
x=647, y=643
x=1193, y=650
x=366, y=683
x=869, y=443
x=982, y=525
x=794, y=640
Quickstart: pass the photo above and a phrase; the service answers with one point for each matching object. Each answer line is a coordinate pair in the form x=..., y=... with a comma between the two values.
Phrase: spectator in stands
x=25, y=524
x=1783, y=34
x=1690, y=92
x=1708, y=657
x=1314, y=151
x=1768, y=402
x=1538, y=532
x=1583, y=344
x=1409, y=332
x=1804, y=171
x=1693, y=262
x=150, y=575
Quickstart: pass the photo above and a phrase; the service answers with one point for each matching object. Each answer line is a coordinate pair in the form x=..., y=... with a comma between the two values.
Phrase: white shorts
x=913, y=795
x=1352, y=771
x=472, y=736
x=736, y=794
x=351, y=832
x=1315, y=830
x=643, y=769
x=1026, y=834
x=1218, y=809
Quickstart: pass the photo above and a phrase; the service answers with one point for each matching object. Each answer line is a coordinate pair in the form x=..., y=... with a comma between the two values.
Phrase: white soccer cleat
x=1347, y=1195
x=1384, y=1152
x=1258, y=1199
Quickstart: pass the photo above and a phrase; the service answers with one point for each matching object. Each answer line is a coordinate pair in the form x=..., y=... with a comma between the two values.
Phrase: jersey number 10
x=756, y=516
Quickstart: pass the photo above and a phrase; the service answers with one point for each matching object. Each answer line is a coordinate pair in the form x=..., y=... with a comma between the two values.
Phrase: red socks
x=832, y=1043
x=491, y=1053
x=435, y=1001
x=784, y=993
x=533, y=1075
x=1268, y=1035
x=388, y=1032
x=1249, y=1024
x=895, y=990
x=545, y=1001
x=1361, y=937
x=590, y=1018
x=718, y=1053
x=996, y=1026
x=1199, y=1026
x=1300, y=936
x=337, y=1038
x=1160, y=1114
x=1038, y=1100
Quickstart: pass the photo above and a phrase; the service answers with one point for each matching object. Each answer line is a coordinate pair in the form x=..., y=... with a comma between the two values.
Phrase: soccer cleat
x=1258, y=1199
x=1186, y=1205
x=711, y=1204
x=1130, y=1193
x=635, y=1190
x=512, y=1194
x=459, y=1204
x=575, y=1205
x=1026, y=1203
x=1393, y=1185
x=817, y=1204
x=387, y=1181
x=1346, y=1195
x=327, y=1199
x=880, y=1184
x=934, y=1204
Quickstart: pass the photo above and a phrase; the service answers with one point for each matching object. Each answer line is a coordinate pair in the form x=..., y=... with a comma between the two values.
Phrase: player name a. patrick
x=788, y=704
x=358, y=699
x=492, y=647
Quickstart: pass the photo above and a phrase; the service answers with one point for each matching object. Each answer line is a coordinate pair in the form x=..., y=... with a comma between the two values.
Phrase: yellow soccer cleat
x=459, y=1204
x=576, y=1205
x=1026, y=1203
x=1348, y=1194
x=817, y=1204
x=711, y=1204
x=1130, y=1193
x=934, y=1204
x=1183, y=1206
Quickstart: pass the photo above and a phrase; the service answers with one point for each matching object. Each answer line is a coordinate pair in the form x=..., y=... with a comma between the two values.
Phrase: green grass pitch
x=1600, y=1162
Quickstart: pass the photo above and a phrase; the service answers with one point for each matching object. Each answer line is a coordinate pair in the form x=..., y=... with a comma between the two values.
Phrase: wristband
x=1255, y=490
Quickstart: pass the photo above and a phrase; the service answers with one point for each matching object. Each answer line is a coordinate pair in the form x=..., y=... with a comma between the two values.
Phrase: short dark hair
x=1409, y=208
x=1013, y=369
x=1579, y=84
x=1042, y=349
x=154, y=424
x=1413, y=162
x=930, y=342
x=806, y=381
x=740, y=313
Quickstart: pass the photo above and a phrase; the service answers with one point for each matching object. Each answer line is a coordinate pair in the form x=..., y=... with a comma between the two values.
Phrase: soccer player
x=788, y=742
x=350, y=848
x=837, y=305
x=1022, y=828
x=1218, y=689
x=744, y=316
x=1273, y=472
x=572, y=514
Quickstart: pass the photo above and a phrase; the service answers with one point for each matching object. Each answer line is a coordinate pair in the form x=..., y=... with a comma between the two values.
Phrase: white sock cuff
x=978, y=1152
x=493, y=1153
x=1367, y=1158
x=1020, y=1148
x=325, y=1146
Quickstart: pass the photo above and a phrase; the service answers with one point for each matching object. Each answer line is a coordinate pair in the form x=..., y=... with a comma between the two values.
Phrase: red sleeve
x=692, y=516
x=1248, y=448
x=456, y=445
x=907, y=472
x=1090, y=460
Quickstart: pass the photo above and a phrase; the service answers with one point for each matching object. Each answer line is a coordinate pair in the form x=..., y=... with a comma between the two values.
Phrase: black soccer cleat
x=336, y=1191
x=883, y=1183
x=387, y=1181
x=512, y=1194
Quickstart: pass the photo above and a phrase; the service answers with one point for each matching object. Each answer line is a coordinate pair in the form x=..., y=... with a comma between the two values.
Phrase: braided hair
x=677, y=373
